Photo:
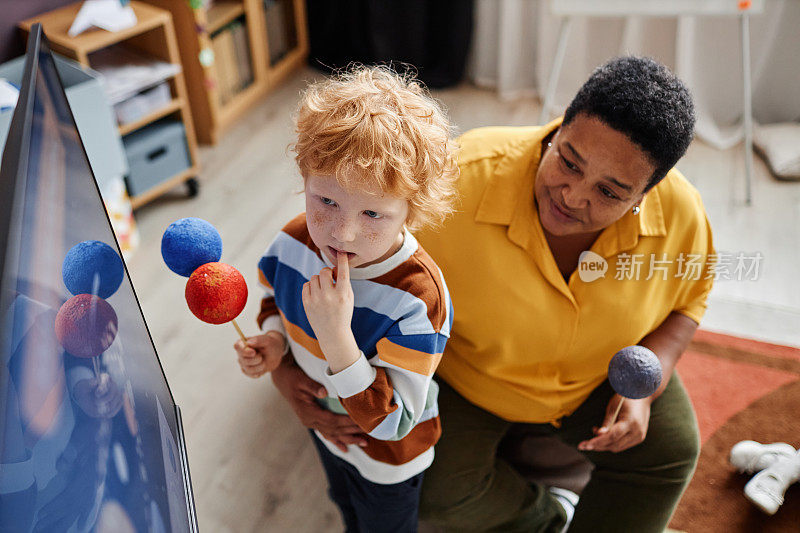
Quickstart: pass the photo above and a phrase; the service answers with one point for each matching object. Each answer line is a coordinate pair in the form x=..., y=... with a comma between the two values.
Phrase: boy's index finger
x=342, y=269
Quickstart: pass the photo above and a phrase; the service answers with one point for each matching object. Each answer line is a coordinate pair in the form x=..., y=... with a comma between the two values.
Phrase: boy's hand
x=329, y=306
x=261, y=354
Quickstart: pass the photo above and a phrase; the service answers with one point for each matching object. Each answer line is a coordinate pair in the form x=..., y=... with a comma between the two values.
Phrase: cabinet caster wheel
x=193, y=187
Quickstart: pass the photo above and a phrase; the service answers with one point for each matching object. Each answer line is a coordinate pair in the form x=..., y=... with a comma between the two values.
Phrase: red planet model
x=86, y=325
x=216, y=293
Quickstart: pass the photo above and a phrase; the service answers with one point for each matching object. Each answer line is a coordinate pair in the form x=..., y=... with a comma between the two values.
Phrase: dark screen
x=89, y=437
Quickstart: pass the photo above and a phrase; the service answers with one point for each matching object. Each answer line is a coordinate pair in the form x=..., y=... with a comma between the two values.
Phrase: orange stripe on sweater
x=300, y=337
x=408, y=359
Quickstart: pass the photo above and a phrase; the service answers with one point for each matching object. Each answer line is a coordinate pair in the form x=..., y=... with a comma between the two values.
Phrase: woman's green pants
x=469, y=488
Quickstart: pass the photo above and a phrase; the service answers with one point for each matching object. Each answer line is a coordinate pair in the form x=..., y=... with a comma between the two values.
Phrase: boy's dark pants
x=369, y=507
x=468, y=488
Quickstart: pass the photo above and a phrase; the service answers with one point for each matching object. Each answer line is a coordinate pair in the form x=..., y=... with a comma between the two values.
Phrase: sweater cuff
x=353, y=379
x=274, y=323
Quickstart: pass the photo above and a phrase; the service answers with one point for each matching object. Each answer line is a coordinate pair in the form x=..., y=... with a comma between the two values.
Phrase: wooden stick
x=614, y=418
x=102, y=379
x=239, y=330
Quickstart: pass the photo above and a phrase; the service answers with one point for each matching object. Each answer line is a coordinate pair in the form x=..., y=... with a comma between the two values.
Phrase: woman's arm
x=301, y=392
x=668, y=341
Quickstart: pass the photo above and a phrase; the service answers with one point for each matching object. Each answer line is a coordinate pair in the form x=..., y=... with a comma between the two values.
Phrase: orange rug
x=741, y=389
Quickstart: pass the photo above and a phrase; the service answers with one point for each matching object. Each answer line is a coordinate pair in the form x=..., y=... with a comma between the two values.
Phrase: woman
x=537, y=319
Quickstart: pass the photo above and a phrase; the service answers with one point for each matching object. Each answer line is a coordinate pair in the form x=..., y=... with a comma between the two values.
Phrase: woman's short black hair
x=643, y=99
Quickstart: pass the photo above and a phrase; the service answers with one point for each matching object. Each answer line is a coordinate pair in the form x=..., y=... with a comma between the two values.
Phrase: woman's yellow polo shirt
x=526, y=345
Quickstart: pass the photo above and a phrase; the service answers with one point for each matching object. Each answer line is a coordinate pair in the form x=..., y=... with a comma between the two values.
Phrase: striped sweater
x=401, y=321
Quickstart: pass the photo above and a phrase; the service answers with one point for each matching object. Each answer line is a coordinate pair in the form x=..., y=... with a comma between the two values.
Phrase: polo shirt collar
x=508, y=200
x=624, y=234
x=513, y=174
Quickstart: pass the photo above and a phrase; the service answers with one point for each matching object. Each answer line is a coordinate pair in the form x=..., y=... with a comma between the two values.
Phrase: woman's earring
x=636, y=209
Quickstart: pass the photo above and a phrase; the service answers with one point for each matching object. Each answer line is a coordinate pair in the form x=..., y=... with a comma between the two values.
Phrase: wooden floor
x=253, y=466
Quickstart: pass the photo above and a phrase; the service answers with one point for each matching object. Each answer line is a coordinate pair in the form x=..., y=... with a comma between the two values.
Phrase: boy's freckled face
x=363, y=222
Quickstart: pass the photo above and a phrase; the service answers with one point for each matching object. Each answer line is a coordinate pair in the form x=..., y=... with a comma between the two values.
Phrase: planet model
x=216, y=293
x=86, y=325
x=634, y=372
x=92, y=267
x=188, y=243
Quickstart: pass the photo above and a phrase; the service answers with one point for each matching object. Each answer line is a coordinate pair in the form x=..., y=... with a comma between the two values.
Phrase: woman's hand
x=301, y=391
x=627, y=431
x=668, y=341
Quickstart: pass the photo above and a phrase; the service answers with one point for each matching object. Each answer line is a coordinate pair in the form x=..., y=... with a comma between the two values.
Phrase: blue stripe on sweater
x=368, y=326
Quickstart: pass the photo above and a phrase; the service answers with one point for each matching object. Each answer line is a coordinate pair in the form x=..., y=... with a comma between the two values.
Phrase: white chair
x=568, y=9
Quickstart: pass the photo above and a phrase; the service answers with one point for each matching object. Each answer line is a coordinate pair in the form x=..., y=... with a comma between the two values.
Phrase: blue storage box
x=155, y=153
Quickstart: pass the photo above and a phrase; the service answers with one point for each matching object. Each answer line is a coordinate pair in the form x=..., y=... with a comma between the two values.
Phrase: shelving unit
x=172, y=107
x=205, y=73
x=223, y=12
x=153, y=36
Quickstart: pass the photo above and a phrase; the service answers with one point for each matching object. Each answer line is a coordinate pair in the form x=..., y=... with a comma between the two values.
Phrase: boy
x=363, y=308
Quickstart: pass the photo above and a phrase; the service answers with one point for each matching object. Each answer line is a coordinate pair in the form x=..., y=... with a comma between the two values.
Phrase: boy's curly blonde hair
x=370, y=124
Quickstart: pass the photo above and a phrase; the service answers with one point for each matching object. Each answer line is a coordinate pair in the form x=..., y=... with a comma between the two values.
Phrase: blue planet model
x=188, y=243
x=92, y=267
x=634, y=372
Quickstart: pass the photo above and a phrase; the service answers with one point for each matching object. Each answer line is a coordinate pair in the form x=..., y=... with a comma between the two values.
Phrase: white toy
x=778, y=466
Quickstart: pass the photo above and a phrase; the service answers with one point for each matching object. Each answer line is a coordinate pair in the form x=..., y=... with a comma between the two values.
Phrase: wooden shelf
x=154, y=36
x=222, y=12
x=164, y=186
x=195, y=27
x=174, y=105
x=56, y=24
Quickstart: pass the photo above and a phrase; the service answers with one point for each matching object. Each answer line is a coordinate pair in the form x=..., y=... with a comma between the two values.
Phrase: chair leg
x=555, y=70
x=748, y=108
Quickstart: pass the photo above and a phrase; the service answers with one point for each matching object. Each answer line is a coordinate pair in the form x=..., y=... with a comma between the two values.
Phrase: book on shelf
x=225, y=63
x=232, y=59
x=242, y=50
x=277, y=31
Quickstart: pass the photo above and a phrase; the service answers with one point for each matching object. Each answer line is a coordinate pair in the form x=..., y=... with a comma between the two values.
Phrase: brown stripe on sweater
x=298, y=230
x=371, y=406
x=268, y=308
x=398, y=452
x=414, y=277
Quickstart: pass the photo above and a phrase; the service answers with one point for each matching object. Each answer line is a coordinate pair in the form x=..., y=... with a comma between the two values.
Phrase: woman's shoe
x=767, y=488
x=749, y=456
x=568, y=500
